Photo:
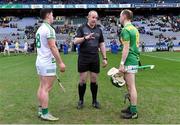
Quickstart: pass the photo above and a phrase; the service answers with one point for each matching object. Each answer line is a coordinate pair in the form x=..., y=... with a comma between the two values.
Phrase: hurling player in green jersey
x=129, y=37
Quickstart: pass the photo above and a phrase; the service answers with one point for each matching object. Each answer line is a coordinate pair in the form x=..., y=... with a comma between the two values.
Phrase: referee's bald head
x=92, y=18
x=92, y=12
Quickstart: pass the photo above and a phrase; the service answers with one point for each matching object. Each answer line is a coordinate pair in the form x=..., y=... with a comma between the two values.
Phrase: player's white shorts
x=49, y=70
x=131, y=69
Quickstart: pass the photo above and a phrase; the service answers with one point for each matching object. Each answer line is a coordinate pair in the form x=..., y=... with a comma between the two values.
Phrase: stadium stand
x=87, y=1
x=157, y=31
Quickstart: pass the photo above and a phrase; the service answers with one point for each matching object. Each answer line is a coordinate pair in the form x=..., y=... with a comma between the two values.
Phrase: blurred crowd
x=86, y=1
x=110, y=26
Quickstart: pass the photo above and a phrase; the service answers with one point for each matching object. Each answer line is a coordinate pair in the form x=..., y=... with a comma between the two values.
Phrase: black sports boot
x=80, y=105
x=126, y=110
x=130, y=115
x=96, y=105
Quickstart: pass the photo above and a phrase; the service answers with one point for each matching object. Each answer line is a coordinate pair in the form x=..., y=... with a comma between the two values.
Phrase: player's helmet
x=117, y=78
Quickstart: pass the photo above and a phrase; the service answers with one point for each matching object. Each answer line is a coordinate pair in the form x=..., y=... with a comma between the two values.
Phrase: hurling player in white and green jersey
x=47, y=57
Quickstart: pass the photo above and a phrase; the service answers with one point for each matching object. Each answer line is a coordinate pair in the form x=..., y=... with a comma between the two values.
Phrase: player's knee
x=82, y=81
x=49, y=88
x=93, y=80
x=40, y=94
x=44, y=88
x=132, y=91
x=44, y=92
x=130, y=88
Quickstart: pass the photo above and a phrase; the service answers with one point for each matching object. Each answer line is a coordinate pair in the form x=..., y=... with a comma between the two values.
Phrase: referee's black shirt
x=90, y=46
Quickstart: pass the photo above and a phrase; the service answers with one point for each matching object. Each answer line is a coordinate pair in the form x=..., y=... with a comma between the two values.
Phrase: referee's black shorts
x=88, y=62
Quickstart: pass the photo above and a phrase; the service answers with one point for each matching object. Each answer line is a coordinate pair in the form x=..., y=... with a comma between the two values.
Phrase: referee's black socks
x=81, y=90
x=94, y=89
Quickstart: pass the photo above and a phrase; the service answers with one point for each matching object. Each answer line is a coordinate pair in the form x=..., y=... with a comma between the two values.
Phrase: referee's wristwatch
x=104, y=58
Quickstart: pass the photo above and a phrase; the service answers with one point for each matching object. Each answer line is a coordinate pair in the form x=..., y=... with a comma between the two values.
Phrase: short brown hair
x=128, y=13
x=44, y=12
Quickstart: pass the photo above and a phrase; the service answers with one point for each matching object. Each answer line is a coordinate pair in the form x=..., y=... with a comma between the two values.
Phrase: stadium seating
x=151, y=28
x=86, y=1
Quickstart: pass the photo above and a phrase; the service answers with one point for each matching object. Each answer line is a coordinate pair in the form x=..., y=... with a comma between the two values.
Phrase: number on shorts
x=38, y=43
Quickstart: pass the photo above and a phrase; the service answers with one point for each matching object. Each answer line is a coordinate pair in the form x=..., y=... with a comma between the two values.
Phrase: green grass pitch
x=158, y=92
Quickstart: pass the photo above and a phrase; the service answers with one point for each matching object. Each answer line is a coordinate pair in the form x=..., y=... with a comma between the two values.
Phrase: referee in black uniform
x=90, y=38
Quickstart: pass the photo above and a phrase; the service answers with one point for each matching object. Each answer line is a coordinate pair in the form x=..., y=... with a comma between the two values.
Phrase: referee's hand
x=90, y=36
x=104, y=63
x=62, y=67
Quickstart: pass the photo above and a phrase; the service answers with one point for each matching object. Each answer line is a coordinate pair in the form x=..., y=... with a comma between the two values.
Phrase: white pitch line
x=175, y=60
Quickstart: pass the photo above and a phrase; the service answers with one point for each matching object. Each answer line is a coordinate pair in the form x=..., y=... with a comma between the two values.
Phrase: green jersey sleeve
x=125, y=36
